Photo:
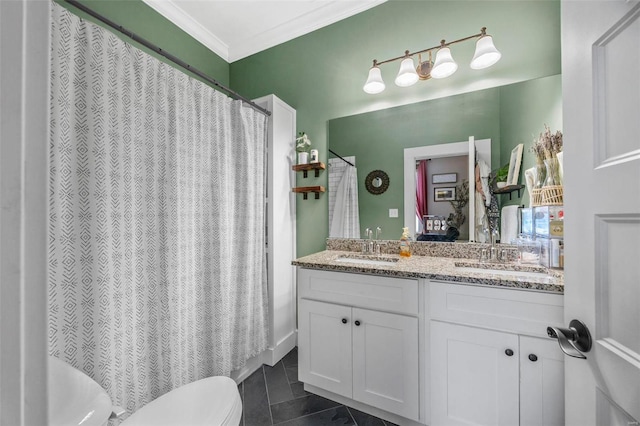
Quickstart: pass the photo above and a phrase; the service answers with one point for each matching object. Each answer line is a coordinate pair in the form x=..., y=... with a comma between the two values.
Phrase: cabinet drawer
x=365, y=291
x=515, y=311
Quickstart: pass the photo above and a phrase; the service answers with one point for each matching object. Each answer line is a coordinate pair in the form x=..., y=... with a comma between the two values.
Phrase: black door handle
x=573, y=340
x=533, y=358
x=344, y=320
x=509, y=352
x=357, y=323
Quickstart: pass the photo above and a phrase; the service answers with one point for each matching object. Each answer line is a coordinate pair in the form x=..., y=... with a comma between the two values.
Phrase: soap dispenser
x=405, y=243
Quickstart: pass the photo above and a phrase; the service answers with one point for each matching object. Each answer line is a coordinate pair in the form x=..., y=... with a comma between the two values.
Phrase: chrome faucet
x=493, y=251
x=378, y=250
x=367, y=247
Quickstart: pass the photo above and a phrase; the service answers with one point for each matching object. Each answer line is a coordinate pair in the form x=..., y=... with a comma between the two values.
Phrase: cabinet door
x=324, y=346
x=541, y=382
x=473, y=379
x=385, y=361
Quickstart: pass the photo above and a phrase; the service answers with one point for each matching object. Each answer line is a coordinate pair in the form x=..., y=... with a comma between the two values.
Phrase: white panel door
x=541, y=382
x=474, y=376
x=385, y=361
x=601, y=114
x=324, y=349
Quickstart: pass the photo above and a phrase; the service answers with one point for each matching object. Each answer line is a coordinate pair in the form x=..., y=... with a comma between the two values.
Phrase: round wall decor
x=377, y=182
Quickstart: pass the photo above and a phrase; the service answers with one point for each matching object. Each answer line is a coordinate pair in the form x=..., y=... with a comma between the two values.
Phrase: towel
x=509, y=224
x=485, y=170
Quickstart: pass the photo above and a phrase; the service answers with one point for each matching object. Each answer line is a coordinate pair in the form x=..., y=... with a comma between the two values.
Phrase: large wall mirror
x=507, y=115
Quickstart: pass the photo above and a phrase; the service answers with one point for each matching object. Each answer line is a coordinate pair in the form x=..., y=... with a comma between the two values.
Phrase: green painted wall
x=321, y=74
x=137, y=17
x=378, y=140
x=508, y=115
x=524, y=110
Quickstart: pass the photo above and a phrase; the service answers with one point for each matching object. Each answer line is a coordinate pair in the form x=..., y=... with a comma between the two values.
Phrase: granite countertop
x=438, y=268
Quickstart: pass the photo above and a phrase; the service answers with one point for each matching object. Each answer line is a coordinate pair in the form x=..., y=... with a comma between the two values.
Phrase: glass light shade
x=374, y=82
x=444, y=65
x=486, y=53
x=407, y=76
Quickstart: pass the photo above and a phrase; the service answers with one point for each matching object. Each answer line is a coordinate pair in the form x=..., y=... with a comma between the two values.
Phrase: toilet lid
x=210, y=401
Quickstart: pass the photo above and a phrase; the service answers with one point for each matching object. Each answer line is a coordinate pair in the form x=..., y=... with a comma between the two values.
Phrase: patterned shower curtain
x=157, y=265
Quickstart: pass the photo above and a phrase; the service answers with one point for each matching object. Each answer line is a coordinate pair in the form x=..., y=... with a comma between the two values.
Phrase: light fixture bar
x=443, y=43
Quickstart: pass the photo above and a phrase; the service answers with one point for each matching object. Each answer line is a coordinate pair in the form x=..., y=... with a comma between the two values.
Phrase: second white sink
x=379, y=261
x=502, y=270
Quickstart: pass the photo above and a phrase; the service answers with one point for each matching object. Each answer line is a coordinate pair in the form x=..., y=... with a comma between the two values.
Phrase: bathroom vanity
x=431, y=340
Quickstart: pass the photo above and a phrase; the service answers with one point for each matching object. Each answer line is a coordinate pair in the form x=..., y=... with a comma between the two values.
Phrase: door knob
x=344, y=320
x=573, y=340
x=533, y=357
x=357, y=323
x=509, y=352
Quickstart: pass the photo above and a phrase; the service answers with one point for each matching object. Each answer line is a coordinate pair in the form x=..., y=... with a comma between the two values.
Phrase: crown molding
x=329, y=13
x=186, y=23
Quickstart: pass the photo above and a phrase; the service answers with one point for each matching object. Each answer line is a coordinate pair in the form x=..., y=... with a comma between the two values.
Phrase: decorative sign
x=444, y=178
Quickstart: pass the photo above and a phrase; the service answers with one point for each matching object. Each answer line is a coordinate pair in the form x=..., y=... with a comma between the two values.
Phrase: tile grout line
x=312, y=414
x=266, y=389
x=351, y=415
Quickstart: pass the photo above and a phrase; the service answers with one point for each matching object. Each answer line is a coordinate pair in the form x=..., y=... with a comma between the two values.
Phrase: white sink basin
x=75, y=398
x=379, y=261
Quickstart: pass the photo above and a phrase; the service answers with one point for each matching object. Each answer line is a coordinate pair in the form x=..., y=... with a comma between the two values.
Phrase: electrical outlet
x=393, y=212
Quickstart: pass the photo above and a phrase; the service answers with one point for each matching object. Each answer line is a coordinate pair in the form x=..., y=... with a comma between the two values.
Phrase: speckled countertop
x=438, y=268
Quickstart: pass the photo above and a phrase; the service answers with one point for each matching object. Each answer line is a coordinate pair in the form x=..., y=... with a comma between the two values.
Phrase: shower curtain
x=344, y=221
x=422, y=182
x=157, y=264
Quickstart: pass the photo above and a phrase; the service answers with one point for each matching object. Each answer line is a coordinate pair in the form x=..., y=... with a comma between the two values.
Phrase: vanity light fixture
x=485, y=55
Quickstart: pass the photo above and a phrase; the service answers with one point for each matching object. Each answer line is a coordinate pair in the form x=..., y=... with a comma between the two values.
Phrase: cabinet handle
x=533, y=358
x=344, y=320
x=509, y=352
x=357, y=323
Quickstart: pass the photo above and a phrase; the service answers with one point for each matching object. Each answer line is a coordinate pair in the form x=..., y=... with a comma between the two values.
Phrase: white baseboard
x=385, y=415
x=283, y=347
x=269, y=356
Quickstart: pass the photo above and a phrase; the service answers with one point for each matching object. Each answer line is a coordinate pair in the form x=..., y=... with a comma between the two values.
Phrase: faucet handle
x=378, y=232
x=367, y=232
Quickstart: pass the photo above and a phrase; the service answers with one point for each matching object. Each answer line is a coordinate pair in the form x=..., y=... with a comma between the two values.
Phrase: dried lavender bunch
x=548, y=144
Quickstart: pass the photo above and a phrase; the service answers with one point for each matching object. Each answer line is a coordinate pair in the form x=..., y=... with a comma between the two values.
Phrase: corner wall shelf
x=304, y=190
x=306, y=167
x=508, y=190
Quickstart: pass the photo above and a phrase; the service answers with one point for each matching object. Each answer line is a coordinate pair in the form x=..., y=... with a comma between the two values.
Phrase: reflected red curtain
x=421, y=189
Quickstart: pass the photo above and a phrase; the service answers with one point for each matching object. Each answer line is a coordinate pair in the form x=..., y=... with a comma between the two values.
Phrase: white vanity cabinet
x=358, y=337
x=491, y=363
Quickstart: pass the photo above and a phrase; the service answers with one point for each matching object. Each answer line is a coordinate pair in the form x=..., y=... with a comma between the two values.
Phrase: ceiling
x=235, y=29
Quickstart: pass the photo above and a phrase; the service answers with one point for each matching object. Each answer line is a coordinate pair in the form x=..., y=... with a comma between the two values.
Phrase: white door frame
x=24, y=144
x=411, y=155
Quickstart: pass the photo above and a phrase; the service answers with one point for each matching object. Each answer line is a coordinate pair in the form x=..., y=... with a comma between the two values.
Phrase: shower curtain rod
x=348, y=162
x=167, y=55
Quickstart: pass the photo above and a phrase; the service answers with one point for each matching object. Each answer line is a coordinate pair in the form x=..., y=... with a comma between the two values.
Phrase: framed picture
x=444, y=194
x=444, y=178
x=514, y=165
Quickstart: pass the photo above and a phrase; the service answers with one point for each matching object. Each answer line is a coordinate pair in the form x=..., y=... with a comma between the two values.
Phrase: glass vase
x=541, y=174
x=552, y=172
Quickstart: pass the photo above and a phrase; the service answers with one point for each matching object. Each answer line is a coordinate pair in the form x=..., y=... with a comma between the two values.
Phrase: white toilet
x=76, y=399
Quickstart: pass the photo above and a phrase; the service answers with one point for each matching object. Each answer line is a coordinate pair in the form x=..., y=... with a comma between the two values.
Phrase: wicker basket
x=536, y=197
x=552, y=195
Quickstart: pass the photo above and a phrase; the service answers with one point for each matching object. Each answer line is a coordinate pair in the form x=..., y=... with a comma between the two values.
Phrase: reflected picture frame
x=514, y=165
x=444, y=193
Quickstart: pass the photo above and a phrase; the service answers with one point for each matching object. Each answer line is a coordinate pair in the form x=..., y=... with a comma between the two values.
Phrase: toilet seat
x=210, y=401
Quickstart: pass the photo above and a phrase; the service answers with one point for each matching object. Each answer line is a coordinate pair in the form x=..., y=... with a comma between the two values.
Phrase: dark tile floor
x=274, y=396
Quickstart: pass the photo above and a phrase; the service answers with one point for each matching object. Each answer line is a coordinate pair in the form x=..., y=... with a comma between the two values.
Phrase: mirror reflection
x=507, y=115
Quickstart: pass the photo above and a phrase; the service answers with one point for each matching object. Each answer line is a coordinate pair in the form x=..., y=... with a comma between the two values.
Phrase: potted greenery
x=303, y=144
x=501, y=175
